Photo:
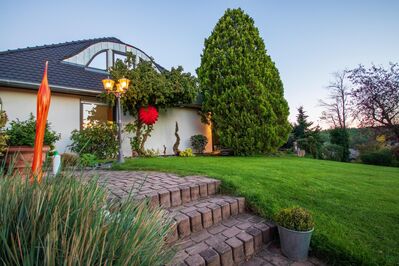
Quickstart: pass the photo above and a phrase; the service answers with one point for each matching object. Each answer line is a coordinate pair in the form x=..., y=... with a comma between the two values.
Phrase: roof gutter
x=55, y=88
x=69, y=90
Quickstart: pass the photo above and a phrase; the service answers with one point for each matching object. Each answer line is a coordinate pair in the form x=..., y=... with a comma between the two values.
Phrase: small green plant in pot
x=21, y=139
x=295, y=227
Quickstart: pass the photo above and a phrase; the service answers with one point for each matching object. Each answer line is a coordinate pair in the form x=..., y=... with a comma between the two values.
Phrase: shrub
x=340, y=136
x=198, y=142
x=395, y=152
x=371, y=146
x=332, y=152
x=98, y=138
x=150, y=153
x=3, y=135
x=22, y=133
x=381, y=157
x=295, y=218
x=186, y=153
x=311, y=144
x=66, y=222
x=88, y=160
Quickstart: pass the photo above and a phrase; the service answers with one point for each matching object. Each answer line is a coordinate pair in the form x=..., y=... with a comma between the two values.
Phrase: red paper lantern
x=148, y=115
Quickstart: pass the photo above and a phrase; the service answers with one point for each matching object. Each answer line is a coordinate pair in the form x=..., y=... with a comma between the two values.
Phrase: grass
x=355, y=206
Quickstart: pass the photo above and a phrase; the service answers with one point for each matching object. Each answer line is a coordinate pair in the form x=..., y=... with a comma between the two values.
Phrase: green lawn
x=356, y=207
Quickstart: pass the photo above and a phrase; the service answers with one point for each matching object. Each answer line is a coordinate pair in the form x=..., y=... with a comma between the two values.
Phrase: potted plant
x=21, y=139
x=295, y=227
x=198, y=142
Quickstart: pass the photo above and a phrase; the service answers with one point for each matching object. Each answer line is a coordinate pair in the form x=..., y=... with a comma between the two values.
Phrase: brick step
x=162, y=189
x=172, y=193
x=197, y=215
x=231, y=242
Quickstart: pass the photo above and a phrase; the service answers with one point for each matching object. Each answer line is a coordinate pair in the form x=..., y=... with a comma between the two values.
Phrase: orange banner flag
x=42, y=108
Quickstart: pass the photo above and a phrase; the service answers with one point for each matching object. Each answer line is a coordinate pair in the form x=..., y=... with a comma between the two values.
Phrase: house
x=76, y=70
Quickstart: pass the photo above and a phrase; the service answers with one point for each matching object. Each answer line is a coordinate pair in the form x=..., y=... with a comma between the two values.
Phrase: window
x=99, y=61
x=92, y=111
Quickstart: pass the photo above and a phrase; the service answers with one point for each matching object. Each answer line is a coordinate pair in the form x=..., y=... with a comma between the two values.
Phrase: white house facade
x=75, y=73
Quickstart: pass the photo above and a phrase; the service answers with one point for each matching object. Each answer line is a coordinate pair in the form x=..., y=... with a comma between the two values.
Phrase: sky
x=308, y=40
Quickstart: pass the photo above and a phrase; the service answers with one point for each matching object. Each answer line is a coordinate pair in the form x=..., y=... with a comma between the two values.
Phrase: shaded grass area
x=356, y=206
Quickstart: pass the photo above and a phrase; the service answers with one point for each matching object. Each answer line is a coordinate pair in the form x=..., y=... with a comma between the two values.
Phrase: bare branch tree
x=337, y=104
x=376, y=96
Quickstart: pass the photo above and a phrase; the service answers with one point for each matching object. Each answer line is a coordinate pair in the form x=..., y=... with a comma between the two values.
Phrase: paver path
x=209, y=229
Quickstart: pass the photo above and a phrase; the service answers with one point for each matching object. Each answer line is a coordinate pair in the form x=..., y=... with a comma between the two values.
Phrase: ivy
x=148, y=86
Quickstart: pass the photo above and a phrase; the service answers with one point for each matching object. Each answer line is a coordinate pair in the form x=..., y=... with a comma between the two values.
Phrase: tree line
x=368, y=97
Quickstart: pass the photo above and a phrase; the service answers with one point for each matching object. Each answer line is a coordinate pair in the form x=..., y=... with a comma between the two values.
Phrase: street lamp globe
x=124, y=82
x=120, y=89
x=108, y=85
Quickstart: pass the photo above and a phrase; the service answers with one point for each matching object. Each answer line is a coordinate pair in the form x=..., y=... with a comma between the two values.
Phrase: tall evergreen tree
x=308, y=137
x=302, y=126
x=243, y=92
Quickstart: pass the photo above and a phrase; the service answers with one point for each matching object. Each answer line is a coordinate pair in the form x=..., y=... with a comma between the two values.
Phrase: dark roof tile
x=27, y=65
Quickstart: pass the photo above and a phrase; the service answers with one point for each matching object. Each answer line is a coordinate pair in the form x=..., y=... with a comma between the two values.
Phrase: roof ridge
x=57, y=45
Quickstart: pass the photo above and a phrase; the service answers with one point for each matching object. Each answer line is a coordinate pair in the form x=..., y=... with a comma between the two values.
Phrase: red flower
x=148, y=115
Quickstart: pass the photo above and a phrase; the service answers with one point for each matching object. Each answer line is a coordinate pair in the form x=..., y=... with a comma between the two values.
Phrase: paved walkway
x=209, y=229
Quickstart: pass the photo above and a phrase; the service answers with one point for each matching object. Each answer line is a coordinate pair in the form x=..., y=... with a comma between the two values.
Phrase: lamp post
x=118, y=90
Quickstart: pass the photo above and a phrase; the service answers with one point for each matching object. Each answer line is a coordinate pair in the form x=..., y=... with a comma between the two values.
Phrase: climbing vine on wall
x=150, y=87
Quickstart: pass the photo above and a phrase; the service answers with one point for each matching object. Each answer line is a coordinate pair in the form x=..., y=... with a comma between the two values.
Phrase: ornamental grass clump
x=63, y=221
x=295, y=218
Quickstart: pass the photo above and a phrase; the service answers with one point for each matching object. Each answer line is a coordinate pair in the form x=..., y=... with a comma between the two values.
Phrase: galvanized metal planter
x=295, y=244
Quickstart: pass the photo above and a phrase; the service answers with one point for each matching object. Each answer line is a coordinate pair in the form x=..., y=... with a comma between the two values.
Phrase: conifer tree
x=307, y=137
x=302, y=126
x=242, y=89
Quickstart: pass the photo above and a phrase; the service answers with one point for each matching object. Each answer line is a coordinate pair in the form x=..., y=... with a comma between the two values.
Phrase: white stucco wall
x=64, y=113
x=64, y=116
x=164, y=131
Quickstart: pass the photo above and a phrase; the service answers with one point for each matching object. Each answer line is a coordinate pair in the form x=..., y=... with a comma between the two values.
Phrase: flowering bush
x=97, y=138
x=186, y=153
x=150, y=153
